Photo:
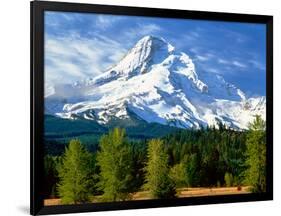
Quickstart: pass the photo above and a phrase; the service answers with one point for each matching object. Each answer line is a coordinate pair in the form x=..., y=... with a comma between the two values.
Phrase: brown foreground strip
x=181, y=192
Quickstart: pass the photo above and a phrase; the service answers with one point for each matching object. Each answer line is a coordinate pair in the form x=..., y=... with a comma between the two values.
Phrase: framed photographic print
x=139, y=107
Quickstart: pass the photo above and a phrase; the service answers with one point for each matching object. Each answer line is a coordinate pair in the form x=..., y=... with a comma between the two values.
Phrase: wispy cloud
x=140, y=30
x=235, y=63
x=257, y=64
x=191, y=36
x=214, y=70
x=234, y=35
x=239, y=64
x=223, y=61
x=106, y=21
x=202, y=58
x=73, y=57
x=55, y=19
x=149, y=28
x=69, y=17
x=205, y=57
x=189, y=39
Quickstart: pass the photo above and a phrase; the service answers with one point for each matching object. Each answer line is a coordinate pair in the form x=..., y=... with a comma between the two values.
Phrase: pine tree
x=74, y=174
x=192, y=170
x=115, y=161
x=179, y=174
x=157, y=178
x=228, y=178
x=255, y=175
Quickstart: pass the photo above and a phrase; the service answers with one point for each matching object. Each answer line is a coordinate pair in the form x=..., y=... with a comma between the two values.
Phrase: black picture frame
x=37, y=104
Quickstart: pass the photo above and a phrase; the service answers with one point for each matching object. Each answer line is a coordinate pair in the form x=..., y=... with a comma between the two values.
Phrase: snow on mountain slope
x=158, y=84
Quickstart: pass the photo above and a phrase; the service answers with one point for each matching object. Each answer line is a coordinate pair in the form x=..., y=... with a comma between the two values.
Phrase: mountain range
x=155, y=83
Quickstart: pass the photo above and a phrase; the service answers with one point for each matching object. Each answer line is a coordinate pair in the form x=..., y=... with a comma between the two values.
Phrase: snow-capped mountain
x=158, y=84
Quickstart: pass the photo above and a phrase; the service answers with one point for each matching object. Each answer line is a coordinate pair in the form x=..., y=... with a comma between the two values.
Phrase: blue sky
x=79, y=45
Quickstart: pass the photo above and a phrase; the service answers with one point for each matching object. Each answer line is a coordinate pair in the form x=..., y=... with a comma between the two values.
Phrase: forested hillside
x=120, y=167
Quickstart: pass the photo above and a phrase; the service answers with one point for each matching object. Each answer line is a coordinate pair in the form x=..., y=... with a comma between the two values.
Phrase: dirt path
x=191, y=192
x=181, y=192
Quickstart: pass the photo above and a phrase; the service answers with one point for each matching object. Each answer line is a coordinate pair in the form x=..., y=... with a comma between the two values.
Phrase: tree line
x=208, y=157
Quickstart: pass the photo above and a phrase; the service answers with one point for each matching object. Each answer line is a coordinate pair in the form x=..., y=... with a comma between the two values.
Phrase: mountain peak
x=157, y=84
x=148, y=51
x=154, y=42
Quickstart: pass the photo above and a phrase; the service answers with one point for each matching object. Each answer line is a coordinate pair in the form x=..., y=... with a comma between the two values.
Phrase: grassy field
x=181, y=192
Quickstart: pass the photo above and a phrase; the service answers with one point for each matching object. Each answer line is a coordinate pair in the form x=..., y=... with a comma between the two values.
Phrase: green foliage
x=93, y=175
x=56, y=127
x=157, y=178
x=59, y=132
x=115, y=161
x=193, y=171
x=74, y=174
x=119, y=166
x=228, y=178
x=208, y=154
x=139, y=150
x=255, y=175
x=179, y=175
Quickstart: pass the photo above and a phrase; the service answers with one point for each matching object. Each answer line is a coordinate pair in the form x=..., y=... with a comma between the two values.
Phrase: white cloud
x=68, y=16
x=215, y=63
x=58, y=19
x=230, y=63
x=223, y=61
x=195, y=50
x=257, y=64
x=141, y=30
x=235, y=36
x=214, y=70
x=239, y=64
x=202, y=58
x=191, y=36
x=149, y=28
x=106, y=21
x=72, y=57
